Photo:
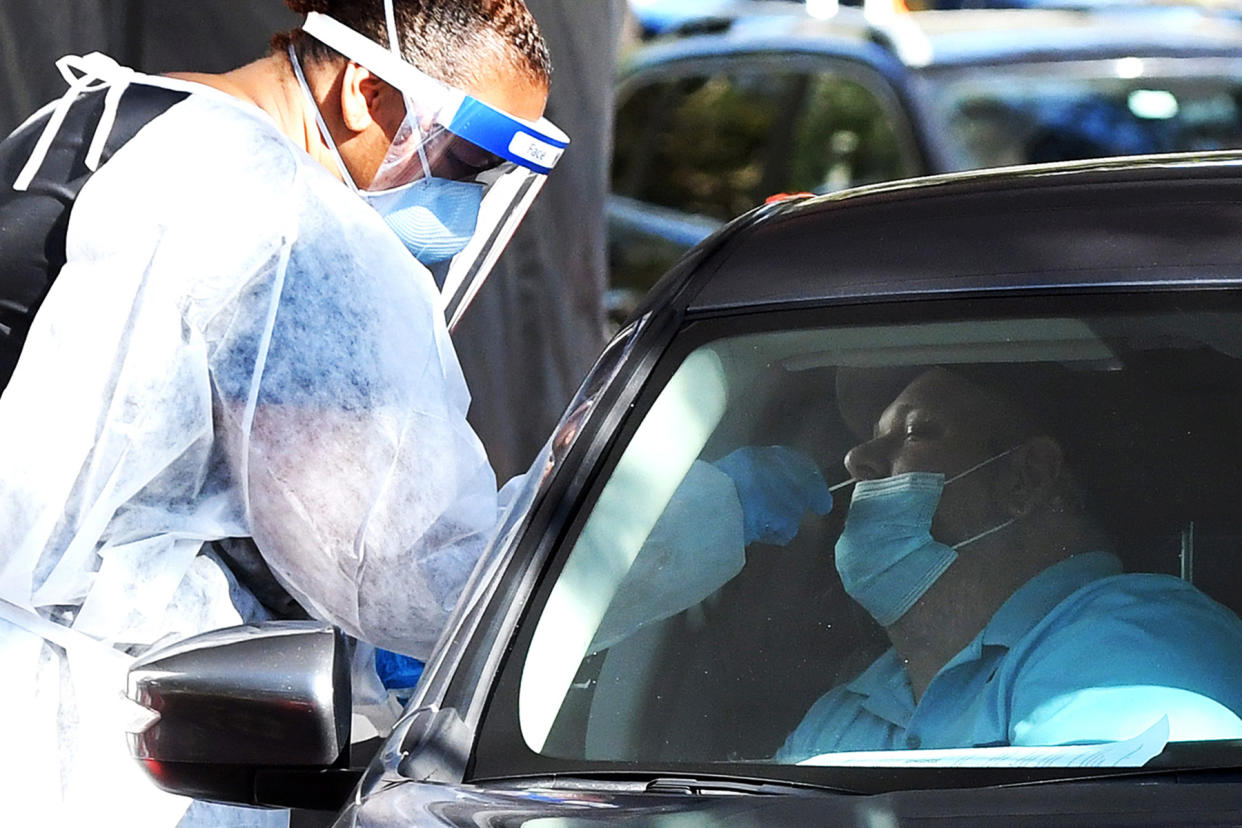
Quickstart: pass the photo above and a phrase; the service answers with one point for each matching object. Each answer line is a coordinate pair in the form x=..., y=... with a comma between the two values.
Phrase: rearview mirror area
x=249, y=715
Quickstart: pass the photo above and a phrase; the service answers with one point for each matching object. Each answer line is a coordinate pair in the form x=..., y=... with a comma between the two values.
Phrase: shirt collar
x=885, y=689
x=885, y=686
x=1036, y=598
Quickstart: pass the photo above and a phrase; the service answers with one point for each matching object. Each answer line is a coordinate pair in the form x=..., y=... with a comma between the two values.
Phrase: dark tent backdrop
x=537, y=326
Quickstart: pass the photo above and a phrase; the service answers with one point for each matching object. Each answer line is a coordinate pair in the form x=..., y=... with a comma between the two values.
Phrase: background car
x=710, y=124
x=659, y=17
x=623, y=654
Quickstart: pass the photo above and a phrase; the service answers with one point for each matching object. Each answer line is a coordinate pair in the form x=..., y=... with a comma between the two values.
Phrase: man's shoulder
x=217, y=163
x=1139, y=594
x=225, y=150
x=1119, y=652
x=1132, y=622
x=224, y=162
x=209, y=124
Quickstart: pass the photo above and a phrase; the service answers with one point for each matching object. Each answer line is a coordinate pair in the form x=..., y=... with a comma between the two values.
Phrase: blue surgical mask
x=434, y=217
x=886, y=556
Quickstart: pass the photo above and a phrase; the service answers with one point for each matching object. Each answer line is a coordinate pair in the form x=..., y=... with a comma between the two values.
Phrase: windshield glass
x=1037, y=112
x=1006, y=541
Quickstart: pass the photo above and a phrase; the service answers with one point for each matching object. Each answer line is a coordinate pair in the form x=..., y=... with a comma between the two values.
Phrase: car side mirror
x=249, y=715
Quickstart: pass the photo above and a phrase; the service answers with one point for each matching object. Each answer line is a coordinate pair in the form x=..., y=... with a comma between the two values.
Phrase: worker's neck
x=269, y=83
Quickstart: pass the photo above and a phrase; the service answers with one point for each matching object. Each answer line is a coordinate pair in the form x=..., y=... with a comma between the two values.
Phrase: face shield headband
x=449, y=142
x=533, y=145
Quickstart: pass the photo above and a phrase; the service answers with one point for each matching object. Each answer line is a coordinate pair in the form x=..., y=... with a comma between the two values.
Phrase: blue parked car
x=661, y=17
x=710, y=124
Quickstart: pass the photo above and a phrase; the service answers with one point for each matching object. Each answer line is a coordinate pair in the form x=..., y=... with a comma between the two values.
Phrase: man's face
x=939, y=423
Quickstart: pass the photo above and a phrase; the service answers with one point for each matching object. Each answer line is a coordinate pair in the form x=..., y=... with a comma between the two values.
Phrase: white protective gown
x=237, y=346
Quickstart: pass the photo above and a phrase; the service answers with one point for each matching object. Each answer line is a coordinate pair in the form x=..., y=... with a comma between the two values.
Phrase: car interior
x=1148, y=405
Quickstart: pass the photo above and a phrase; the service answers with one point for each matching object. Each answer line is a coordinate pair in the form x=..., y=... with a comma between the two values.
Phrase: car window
x=696, y=147
x=1025, y=113
x=702, y=143
x=717, y=143
x=992, y=540
x=845, y=137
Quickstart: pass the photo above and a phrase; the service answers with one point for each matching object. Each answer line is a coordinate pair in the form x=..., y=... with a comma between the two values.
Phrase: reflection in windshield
x=1036, y=113
x=1035, y=549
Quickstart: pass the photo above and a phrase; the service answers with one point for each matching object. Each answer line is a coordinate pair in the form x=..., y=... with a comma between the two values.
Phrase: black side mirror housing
x=249, y=715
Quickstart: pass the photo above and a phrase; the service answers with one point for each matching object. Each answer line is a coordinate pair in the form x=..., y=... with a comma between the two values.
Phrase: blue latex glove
x=396, y=671
x=776, y=486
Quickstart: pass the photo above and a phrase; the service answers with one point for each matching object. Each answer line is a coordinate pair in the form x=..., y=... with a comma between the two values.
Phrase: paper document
x=1131, y=753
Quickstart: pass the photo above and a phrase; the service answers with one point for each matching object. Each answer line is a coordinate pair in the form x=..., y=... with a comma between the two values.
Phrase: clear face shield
x=459, y=175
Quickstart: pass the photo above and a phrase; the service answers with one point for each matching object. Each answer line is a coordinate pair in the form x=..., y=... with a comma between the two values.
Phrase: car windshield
x=975, y=540
x=1036, y=112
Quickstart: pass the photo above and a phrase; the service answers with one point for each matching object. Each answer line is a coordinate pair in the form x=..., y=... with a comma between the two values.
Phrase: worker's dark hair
x=453, y=41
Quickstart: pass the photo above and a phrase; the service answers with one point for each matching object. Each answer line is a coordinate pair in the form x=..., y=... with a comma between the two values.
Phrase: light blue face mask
x=434, y=217
x=886, y=556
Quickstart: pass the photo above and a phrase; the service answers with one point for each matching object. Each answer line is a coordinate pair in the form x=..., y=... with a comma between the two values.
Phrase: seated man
x=968, y=540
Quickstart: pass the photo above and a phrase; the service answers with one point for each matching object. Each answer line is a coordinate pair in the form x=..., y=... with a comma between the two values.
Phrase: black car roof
x=1160, y=221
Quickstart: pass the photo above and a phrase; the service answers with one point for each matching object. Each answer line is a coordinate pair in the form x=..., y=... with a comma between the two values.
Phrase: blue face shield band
x=434, y=217
x=886, y=556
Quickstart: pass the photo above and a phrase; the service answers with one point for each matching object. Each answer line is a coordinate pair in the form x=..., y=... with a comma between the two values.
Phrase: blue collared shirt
x=1080, y=653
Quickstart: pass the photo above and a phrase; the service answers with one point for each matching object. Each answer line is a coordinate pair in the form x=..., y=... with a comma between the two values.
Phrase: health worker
x=220, y=334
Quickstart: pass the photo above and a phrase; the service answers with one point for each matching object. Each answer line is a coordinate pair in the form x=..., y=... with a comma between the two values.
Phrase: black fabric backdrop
x=538, y=324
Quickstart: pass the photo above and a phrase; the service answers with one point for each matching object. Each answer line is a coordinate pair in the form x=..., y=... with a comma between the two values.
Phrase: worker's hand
x=397, y=671
x=776, y=486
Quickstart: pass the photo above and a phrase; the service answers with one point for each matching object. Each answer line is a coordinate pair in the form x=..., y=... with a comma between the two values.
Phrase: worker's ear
x=364, y=98
x=1031, y=477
